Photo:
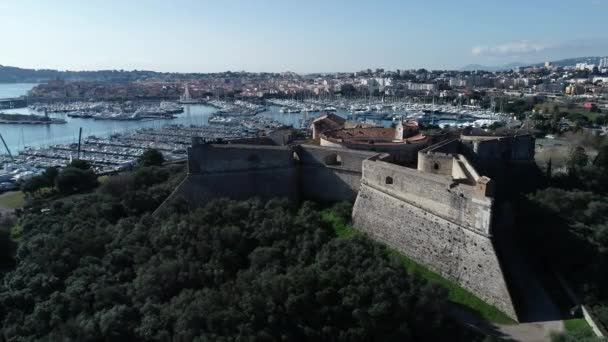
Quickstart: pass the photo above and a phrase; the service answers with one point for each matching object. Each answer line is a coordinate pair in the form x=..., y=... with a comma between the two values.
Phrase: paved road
x=532, y=332
x=524, y=332
x=539, y=315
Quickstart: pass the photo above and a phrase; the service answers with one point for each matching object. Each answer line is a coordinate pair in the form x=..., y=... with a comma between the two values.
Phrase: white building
x=584, y=66
x=373, y=85
x=457, y=82
x=604, y=79
x=421, y=86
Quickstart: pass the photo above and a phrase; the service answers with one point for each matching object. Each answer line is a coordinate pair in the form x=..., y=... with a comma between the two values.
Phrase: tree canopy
x=80, y=164
x=99, y=267
x=151, y=157
x=36, y=183
x=72, y=180
x=566, y=227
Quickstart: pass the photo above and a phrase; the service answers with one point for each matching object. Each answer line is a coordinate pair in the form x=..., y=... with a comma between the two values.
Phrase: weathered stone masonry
x=438, y=223
x=245, y=171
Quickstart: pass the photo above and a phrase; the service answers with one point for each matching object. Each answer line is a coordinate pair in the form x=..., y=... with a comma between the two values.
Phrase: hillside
x=98, y=266
x=559, y=63
x=474, y=67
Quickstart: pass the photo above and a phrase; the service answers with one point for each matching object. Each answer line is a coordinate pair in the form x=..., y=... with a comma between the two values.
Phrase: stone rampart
x=438, y=194
x=211, y=158
x=238, y=172
x=239, y=185
x=404, y=153
x=457, y=253
x=244, y=171
x=329, y=174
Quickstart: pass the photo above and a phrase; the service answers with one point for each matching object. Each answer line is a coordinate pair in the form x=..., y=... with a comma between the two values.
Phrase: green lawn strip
x=578, y=325
x=456, y=294
x=16, y=232
x=342, y=229
x=583, y=111
x=12, y=199
x=103, y=179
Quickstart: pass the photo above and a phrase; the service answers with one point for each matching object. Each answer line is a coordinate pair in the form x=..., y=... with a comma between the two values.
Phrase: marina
x=28, y=119
x=236, y=108
x=115, y=134
x=128, y=110
x=120, y=151
x=383, y=113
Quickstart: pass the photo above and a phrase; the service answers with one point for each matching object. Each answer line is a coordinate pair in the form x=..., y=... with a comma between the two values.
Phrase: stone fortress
x=433, y=201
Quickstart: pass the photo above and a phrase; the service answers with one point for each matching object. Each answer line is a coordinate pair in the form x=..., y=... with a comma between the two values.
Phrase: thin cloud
x=527, y=48
x=509, y=49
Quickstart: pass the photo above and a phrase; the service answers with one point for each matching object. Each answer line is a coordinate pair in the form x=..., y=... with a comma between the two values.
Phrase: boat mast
x=79, y=141
x=7, y=149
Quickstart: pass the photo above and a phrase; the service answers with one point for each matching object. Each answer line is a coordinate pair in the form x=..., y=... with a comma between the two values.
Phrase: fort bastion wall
x=437, y=225
x=436, y=193
x=404, y=153
x=244, y=171
x=329, y=174
x=211, y=158
x=238, y=172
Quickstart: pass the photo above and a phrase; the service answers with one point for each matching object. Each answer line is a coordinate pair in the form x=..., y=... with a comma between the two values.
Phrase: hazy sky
x=296, y=35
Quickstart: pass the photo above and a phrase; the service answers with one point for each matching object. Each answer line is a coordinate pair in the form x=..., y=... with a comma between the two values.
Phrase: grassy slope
x=563, y=109
x=578, y=325
x=457, y=294
x=12, y=199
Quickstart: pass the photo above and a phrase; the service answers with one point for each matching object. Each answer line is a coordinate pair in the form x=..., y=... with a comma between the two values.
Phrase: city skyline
x=273, y=36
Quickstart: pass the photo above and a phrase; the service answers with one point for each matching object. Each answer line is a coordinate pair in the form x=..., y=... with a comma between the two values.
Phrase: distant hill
x=474, y=67
x=560, y=63
x=12, y=75
x=573, y=61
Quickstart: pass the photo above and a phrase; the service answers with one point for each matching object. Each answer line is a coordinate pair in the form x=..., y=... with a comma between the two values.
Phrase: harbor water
x=12, y=90
x=20, y=136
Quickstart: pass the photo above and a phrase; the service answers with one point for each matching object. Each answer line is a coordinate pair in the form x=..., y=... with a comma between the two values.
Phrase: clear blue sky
x=296, y=35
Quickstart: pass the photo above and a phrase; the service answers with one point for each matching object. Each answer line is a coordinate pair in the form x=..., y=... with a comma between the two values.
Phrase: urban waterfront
x=224, y=170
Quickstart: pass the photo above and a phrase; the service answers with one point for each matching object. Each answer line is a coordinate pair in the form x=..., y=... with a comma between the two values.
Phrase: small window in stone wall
x=333, y=160
x=435, y=166
x=389, y=180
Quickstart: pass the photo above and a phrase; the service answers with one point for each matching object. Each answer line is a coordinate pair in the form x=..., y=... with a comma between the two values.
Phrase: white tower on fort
x=399, y=131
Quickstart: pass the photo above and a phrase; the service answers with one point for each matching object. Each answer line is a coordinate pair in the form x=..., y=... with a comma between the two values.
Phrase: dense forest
x=97, y=265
